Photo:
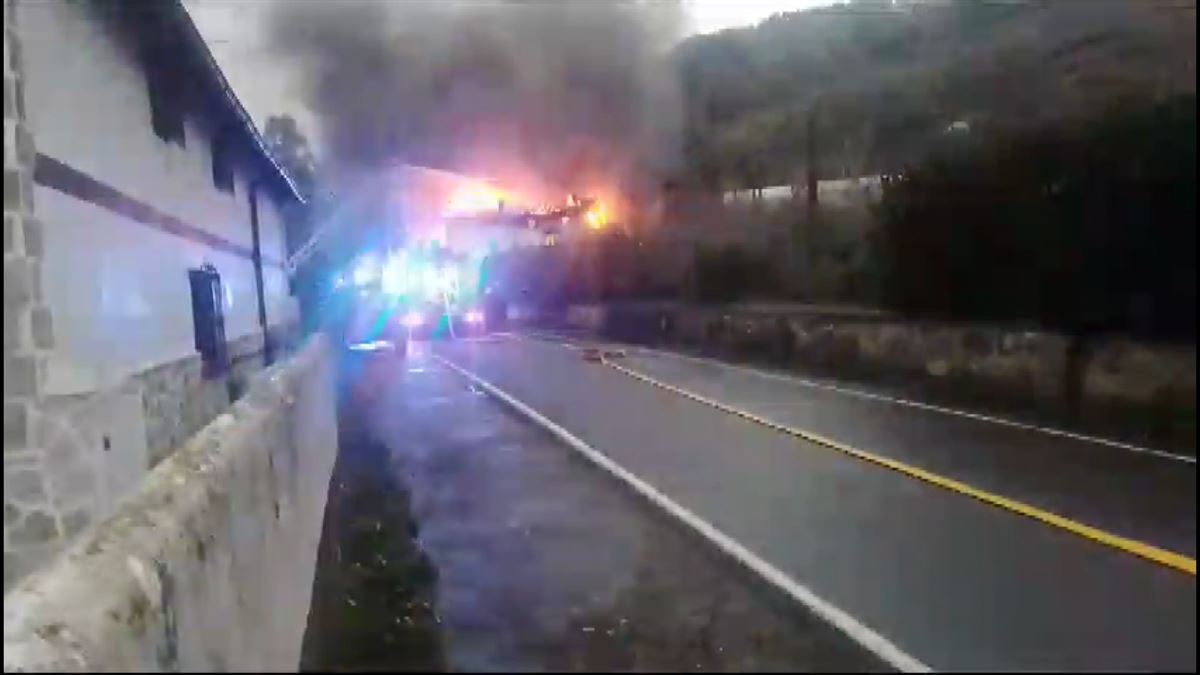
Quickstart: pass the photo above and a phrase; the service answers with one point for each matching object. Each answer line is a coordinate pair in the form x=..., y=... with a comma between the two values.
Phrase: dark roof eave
x=193, y=34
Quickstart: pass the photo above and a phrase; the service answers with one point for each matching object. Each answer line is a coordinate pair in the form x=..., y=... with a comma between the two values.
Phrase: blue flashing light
x=394, y=277
x=366, y=271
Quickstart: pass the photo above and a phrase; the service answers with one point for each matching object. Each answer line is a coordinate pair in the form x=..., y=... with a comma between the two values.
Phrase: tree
x=290, y=147
x=1085, y=227
x=892, y=76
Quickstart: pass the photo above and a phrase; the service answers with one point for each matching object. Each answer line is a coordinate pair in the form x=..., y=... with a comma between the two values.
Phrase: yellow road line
x=1170, y=559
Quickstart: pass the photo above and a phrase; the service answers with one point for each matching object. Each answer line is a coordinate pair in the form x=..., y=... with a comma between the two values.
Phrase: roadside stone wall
x=177, y=400
x=90, y=450
x=1102, y=380
x=588, y=317
x=209, y=564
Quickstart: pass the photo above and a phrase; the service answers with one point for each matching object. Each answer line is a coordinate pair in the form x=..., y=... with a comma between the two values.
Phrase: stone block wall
x=90, y=452
x=588, y=317
x=177, y=400
x=86, y=452
x=31, y=520
x=209, y=564
x=246, y=357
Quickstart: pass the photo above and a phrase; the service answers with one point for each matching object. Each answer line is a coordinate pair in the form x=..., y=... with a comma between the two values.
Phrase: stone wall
x=87, y=451
x=209, y=565
x=30, y=519
x=90, y=451
x=177, y=400
x=1108, y=383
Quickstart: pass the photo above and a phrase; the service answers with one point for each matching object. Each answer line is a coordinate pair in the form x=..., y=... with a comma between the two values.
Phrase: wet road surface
x=956, y=583
x=1136, y=495
x=536, y=559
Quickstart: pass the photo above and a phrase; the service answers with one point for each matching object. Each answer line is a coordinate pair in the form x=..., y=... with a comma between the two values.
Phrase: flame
x=597, y=216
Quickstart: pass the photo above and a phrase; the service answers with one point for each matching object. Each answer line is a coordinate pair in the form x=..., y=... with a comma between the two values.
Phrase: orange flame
x=597, y=216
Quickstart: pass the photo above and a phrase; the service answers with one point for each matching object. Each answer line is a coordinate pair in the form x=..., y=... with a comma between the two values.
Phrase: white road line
x=855, y=630
x=940, y=409
x=979, y=417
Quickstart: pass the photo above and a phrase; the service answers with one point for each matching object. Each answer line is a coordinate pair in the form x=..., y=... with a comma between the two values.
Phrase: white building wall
x=281, y=307
x=479, y=239
x=856, y=190
x=118, y=289
x=123, y=302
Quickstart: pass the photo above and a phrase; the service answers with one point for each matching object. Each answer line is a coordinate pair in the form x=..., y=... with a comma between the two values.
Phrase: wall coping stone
x=74, y=613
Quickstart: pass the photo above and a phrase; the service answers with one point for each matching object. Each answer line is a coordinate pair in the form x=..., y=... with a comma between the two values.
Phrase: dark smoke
x=550, y=96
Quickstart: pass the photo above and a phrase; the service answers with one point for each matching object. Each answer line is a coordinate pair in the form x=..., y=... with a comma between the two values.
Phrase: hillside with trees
x=1039, y=157
x=879, y=83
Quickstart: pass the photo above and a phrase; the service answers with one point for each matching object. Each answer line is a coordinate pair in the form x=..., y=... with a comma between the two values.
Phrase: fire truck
x=388, y=296
x=387, y=299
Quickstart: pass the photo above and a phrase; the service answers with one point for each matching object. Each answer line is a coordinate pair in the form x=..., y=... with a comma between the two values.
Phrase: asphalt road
x=956, y=583
x=539, y=560
x=1134, y=494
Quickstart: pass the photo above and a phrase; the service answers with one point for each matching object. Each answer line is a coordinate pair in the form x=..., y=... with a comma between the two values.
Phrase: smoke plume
x=543, y=97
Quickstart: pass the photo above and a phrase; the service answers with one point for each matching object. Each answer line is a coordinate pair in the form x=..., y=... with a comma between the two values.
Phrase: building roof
x=200, y=45
x=166, y=25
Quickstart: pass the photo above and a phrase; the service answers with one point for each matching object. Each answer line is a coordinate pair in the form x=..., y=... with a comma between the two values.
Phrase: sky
x=234, y=32
x=708, y=16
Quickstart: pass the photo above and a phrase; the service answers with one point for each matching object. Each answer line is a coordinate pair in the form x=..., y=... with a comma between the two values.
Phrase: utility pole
x=803, y=239
x=810, y=161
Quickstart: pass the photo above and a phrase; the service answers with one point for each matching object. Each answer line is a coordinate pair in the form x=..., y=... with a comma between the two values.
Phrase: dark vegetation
x=874, y=84
x=1081, y=227
x=726, y=273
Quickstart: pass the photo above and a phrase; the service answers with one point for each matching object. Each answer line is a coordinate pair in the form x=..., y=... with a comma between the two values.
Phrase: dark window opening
x=166, y=107
x=222, y=163
x=208, y=319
